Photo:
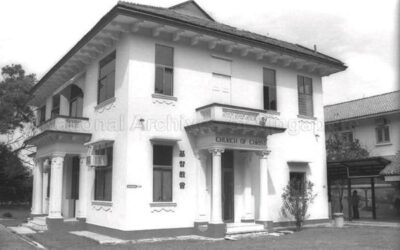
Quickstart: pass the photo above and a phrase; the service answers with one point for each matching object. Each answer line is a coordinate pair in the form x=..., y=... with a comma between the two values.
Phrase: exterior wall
x=303, y=141
x=364, y=131
x=132, y=208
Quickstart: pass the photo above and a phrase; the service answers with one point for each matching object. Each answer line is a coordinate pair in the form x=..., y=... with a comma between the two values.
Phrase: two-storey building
x=163, y=121
x=375, y=122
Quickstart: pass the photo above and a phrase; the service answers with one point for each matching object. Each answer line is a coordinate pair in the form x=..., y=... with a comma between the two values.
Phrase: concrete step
x=37, y=223
x=244, y=228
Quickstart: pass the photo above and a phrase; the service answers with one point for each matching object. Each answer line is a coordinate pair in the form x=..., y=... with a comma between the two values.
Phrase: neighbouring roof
x=364, y=107
x=394, y=167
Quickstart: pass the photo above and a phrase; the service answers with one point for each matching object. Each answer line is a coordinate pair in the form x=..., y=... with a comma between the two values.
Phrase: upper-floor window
x=106, y=83
x=269, y=80
x=347, y=136
x=55, y=109
x=164, y=70
x=41, y=115
x=382, y=134
x=305, y=95
x=162, y=173
x=103, y=176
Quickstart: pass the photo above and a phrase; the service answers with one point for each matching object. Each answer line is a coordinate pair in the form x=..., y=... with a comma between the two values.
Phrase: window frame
x=164, y=69
x=304, y=94
x=163, y=169
x=102, y=63
x=270, y=86
x=382, y=129
x=102, y=196
x=54, y=114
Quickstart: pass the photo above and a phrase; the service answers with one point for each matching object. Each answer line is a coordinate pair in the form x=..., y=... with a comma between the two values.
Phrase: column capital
x=263, y=154
x=58, y=154
x=216, y=151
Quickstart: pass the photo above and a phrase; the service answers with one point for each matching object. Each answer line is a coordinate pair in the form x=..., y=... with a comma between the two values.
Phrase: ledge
x=273, y=112
x=163, y=204
x=105, y=103
x=382, y=144
x=307, y=117
x=102, y=203
x=164, y=97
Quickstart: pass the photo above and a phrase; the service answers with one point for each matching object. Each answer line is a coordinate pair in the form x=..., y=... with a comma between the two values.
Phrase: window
x=164, y=70
x=103, y=176
x=76, y=102
x=106, y=84
x=297, y=179
x=162, y=173
x=269, y=79
x=347, y=136
x=41, y=115
x=305, y=92
x=382, y=134
x=55, y=110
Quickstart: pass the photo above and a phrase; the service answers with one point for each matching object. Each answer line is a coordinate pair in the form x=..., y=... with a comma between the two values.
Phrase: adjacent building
x=163, y=121
x=375, y=122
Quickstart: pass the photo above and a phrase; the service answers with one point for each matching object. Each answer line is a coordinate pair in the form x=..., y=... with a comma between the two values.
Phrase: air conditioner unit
x=96, y=160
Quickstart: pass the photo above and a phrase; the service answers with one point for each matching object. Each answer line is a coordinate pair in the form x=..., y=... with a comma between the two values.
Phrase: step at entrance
x=243, y=228
x=37, y=223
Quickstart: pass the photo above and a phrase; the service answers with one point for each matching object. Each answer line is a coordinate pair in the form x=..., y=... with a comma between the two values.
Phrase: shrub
x=297, y=196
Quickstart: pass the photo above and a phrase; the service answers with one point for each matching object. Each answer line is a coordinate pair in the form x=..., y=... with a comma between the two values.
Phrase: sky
x=361, y=33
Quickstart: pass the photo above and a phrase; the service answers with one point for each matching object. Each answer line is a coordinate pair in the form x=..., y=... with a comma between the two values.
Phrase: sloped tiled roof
x=369, y=106
x=216, y=26
x=392, y=168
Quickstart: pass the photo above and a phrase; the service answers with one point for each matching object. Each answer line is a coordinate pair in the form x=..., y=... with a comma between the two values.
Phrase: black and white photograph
x=199, y=124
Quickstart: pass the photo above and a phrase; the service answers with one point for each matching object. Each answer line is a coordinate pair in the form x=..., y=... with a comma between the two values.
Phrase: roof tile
x=358, y=108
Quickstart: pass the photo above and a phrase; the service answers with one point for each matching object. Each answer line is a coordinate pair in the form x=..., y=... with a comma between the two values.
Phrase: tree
x=339, y=150
x=15, y=179
x=15, y=114
x=297, y=196
x=14, y=95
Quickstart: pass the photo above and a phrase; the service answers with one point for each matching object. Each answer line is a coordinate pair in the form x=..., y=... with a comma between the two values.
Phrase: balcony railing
x=66, y=124
x=239, y=115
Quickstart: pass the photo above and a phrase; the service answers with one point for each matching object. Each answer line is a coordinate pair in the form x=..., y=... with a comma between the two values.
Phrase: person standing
x=355, y=200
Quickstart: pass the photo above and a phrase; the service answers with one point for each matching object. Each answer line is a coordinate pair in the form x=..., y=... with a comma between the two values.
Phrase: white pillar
x=56, y=182
x=45, y=204
x=263, y=213
x=83, y=189
x=248, y=186
x=216, y=200
x=37, y=188
x=201, y=187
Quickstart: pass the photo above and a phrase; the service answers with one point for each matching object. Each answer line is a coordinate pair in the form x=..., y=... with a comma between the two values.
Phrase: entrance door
x=74, y=184
x=227, y=187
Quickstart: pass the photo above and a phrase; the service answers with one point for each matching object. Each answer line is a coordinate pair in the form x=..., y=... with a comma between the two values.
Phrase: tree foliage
x=15, y=178
x=297, y=196
x=338, y=149
x=14, y=95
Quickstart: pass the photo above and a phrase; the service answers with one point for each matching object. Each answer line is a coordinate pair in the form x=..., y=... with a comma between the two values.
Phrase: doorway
x=74, y=187
x=227, y=186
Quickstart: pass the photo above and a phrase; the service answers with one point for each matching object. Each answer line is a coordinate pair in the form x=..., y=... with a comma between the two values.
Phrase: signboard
x=249, y=141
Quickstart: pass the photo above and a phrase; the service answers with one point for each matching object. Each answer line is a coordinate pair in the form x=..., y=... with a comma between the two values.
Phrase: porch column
x=201, y=187
x=248, y=186
x=216, y=200
x=263, y=211
x=83, y=190
x=45, y=183
x=37, y=188
x=56, y=182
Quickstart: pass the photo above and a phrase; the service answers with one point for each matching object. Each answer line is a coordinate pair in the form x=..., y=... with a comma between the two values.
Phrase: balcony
x=62, y=129
x=232, y=127
x=238, y=115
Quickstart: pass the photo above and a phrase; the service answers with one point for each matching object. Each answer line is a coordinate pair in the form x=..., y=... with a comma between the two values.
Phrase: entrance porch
x=231, y=144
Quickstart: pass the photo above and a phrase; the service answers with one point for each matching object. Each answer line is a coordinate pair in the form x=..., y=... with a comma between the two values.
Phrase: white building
x=161, y=121
x=375, y=122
